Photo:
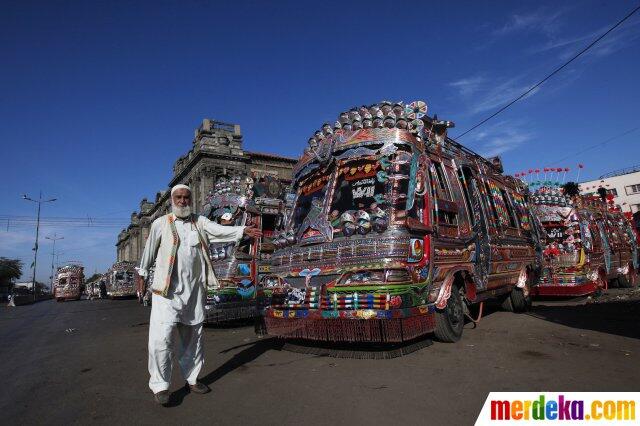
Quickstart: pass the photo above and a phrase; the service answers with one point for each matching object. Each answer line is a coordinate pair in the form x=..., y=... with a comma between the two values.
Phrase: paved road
x=84, y=361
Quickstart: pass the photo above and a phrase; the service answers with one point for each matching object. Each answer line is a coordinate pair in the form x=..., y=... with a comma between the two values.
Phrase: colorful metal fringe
x=393, y=330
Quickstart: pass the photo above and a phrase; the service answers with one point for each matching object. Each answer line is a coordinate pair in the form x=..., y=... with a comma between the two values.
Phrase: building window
x=632, y=189
x=613, y=191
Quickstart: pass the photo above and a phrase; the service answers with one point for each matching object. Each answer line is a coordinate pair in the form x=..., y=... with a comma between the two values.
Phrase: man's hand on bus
x=252, y=231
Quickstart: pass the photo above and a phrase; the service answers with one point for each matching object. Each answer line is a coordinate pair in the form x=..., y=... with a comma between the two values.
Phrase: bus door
x=477, y=209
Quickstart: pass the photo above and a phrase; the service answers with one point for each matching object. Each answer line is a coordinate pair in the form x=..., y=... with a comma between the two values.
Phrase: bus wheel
x=516, y=301
x=450, y=320
x=628, y=280
x=520, y=302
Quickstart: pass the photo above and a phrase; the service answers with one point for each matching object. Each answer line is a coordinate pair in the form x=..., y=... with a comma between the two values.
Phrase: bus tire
x=516, y=301
x=450, y=320
x=519, y=301
x=625, y=282
x=506, y=303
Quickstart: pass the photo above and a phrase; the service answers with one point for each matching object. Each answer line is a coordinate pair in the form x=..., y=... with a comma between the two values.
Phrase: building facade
x=624, y=184
x=216, y=151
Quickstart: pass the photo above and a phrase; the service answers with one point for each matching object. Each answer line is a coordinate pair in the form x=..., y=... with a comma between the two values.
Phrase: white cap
x=180, y=186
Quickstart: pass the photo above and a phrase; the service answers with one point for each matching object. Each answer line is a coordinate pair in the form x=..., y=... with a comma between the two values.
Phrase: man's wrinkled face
x=181, y=197
x=181, y=203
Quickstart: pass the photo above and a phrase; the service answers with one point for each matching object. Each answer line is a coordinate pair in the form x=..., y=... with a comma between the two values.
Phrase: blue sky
x=98, y=99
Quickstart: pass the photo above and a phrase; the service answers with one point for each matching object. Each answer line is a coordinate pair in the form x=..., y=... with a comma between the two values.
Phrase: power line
x=595, y=145
x=73, y=222
x=63, y=218
x=532, y=88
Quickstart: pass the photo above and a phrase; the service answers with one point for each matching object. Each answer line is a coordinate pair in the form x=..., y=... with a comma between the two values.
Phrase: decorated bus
x=398, y=231
x=241, y=268
x=121, y=280
x=68, y=283
x=621, y=249
x=587, y=242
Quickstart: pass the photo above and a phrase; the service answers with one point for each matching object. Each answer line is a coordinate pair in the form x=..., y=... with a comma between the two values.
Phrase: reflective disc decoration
x=416, y=126
x=416, y=110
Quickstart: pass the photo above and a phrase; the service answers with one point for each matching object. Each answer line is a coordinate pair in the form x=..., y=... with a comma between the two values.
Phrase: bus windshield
x=310, y=198
x=359, y=192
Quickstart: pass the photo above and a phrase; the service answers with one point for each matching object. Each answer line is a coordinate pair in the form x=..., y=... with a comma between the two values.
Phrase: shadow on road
x=250, y=353
x=618, y=317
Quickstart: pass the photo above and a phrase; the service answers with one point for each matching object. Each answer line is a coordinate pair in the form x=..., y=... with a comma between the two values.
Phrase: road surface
x=86, y=361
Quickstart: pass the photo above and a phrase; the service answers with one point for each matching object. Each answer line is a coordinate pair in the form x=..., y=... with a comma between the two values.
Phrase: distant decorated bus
x=121, y=280
x=68, y=283
x=587, y=244
x=621, y=245
x=398, y=231
x=241, y=268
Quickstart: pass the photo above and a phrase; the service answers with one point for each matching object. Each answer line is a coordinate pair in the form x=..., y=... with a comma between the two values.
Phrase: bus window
x=445, y=210
x=358, y=188
x=510, y=212
x=442, y=186
x=464, y=177
x=494, y=212
x=311, y=196
x=268, y=225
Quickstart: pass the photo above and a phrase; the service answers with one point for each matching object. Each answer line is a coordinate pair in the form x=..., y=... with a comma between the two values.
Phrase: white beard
x=181, y=212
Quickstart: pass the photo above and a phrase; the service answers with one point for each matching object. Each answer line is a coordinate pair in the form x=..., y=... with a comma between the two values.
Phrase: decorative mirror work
x=243, y=269
x=577, y=239
x=68, y=283
x=121, y=280
x=381, y=231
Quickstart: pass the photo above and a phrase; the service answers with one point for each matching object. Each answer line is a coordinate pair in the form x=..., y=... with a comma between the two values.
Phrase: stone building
x=217, y=151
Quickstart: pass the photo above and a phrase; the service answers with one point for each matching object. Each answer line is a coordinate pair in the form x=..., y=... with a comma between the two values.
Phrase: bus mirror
x=419, y=227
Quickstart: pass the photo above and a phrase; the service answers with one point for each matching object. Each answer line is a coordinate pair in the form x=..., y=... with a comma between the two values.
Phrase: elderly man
x=178, y=245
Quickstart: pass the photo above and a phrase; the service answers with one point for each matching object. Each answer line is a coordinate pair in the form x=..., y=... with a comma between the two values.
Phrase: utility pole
x=53, y=256
x=35, y=248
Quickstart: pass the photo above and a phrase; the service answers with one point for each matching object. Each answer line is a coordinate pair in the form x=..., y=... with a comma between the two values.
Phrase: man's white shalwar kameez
x=183, y=308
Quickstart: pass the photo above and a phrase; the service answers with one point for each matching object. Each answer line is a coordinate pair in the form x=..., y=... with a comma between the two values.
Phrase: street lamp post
x=35, y=248
x=53, y=256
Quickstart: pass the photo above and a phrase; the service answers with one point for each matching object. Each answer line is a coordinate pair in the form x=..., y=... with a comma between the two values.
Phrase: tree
x=571, y=189
x=10, y=269
x=603, y=194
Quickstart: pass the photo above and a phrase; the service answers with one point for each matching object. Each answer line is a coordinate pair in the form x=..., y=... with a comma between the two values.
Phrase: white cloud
x=568, y=46
x=542, y=21
x=500, y=137
x=468, y=86
x=482, y=94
